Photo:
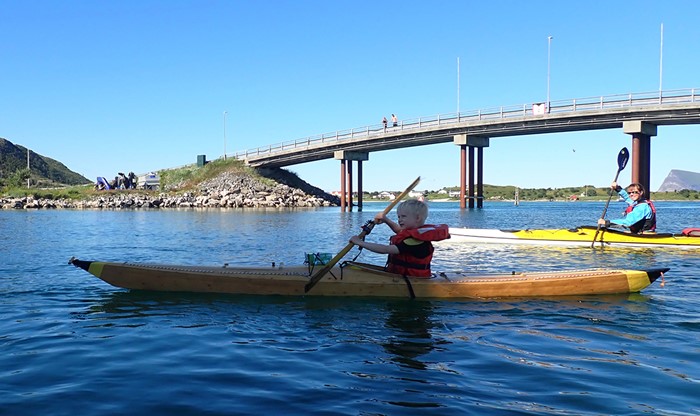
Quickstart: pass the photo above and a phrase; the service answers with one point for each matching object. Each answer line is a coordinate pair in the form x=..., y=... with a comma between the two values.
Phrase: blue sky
x=110, y=86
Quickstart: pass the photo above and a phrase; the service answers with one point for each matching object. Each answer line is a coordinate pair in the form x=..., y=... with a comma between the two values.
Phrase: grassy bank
x=187, y=178
x=585, y=193
x=177, y=180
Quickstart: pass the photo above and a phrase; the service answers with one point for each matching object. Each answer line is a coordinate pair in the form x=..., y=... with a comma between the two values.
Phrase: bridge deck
x=660, y=108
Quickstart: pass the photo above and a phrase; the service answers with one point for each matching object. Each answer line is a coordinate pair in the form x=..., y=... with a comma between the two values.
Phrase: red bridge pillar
x=343, y=181
x=464, y=141
x=346, y=158
x=641, y=151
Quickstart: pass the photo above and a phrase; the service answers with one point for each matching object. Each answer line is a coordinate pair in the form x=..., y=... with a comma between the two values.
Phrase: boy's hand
x=356, y=240
x=379, y=218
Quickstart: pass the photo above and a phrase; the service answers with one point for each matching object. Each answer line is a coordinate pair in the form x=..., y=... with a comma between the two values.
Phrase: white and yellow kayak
x=366, y=280
x=580, y=236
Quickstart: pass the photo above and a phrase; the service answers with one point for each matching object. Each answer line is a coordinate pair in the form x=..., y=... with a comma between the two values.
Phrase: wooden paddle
x=327, y=267
x=622, y=159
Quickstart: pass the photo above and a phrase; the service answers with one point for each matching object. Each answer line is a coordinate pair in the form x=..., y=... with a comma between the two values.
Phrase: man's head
x=636, y=191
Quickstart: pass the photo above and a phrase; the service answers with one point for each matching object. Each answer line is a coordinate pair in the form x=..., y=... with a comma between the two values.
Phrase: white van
x=149, y=181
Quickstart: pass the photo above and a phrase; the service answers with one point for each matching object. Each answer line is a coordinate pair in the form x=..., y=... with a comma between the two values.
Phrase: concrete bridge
x=638, y=114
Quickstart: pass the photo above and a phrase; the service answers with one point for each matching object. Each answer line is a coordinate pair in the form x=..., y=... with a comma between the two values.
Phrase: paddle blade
x=622, y=158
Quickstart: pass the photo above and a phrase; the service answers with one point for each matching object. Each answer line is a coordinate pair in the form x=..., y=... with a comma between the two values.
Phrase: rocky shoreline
x=228, y=190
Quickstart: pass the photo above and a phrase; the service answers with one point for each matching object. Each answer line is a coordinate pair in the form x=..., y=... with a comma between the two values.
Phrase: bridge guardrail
x=679, y=96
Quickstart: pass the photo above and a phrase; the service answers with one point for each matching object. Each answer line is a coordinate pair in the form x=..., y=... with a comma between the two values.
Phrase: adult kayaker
x=640, y=215
x=410, y=250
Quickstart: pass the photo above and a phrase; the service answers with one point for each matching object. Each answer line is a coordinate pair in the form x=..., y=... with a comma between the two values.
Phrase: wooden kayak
x=580, y=236
x=359, y=279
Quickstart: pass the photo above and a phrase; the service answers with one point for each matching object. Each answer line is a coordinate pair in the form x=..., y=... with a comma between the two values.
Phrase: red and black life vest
x=408, y=265
x=647, y=224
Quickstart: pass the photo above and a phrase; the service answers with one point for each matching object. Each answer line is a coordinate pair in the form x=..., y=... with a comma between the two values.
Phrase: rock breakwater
x=228, y=190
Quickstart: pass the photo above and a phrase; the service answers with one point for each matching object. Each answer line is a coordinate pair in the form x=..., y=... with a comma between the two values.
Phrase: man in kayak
x=410, y=250
x=640, y=215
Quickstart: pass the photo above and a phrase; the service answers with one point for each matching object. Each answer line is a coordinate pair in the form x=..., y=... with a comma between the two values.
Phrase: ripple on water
x=75, y=345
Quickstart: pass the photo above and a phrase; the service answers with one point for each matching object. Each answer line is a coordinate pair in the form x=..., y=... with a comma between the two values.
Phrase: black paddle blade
x=622, y=158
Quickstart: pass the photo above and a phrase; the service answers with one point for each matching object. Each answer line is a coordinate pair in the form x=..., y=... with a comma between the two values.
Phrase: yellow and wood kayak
x=580, y=236
x=366, y=280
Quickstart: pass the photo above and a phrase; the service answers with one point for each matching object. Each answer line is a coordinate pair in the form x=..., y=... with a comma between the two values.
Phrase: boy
x=410, y=250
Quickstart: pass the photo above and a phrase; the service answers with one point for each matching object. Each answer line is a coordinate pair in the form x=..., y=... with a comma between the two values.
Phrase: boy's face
x=409, y=220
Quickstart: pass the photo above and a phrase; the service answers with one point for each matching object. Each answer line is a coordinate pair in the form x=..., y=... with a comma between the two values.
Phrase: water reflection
x=411, y=323
x=128, y=308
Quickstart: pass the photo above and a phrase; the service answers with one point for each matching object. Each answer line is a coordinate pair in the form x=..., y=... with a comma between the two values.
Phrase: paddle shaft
x=605, y=210
x=328, y=266
x=622, y=159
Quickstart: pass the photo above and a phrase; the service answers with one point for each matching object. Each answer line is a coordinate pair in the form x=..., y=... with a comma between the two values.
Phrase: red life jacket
x=408, y=265
x=691, y=232
x=647, y=224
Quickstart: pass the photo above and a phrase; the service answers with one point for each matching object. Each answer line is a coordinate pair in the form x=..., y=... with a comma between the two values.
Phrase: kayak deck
x=366, y=280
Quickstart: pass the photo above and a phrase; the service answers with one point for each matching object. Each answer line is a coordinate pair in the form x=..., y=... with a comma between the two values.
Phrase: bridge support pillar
x=465, y=143
x=642, y=133
x=346, y=158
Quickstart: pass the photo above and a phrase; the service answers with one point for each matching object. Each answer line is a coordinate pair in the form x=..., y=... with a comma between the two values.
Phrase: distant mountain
x=14, y=158
x=677, y=180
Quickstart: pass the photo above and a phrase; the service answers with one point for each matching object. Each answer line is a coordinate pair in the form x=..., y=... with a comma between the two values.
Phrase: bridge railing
x=540, y=109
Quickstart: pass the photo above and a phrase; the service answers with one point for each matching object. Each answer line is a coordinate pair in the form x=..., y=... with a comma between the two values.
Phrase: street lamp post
x=549, y=54
x=458, y=87
x=661, y=59
x=225, y=112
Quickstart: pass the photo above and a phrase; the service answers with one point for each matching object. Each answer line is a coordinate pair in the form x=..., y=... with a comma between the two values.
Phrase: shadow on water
x=130, y=303
x=593, y=307
x=411, y=322
x=413, y=319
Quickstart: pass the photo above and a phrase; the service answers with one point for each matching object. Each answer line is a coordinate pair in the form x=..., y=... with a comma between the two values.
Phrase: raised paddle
x=365, y=230
x=622, y=159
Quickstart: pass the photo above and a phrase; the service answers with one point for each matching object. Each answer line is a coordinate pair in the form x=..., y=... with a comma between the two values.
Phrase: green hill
x=44, y=171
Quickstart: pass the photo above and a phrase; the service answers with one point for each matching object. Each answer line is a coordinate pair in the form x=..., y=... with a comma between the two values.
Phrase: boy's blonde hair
x=414, y=206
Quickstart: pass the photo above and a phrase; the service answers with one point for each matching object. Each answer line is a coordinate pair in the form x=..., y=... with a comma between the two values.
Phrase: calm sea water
x=73, y=345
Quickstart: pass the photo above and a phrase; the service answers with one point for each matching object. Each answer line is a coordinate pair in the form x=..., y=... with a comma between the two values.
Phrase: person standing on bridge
x=640, y=215
x=394, y=120
x=384, y=122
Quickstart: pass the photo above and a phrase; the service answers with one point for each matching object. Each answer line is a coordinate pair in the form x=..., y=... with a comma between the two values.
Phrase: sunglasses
x=634, y=192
